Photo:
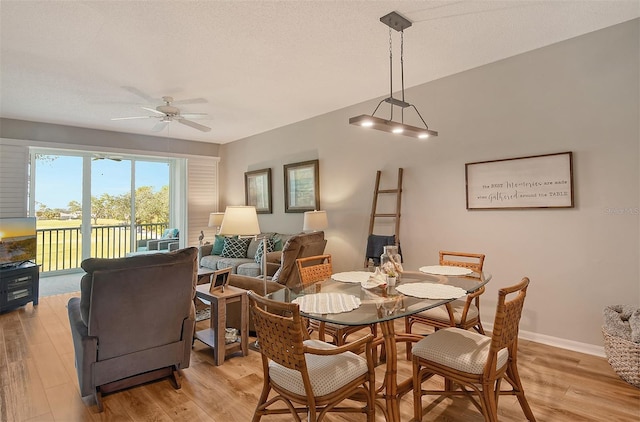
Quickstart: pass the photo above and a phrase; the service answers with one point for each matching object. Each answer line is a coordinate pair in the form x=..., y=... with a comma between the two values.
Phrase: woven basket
x=624, y=357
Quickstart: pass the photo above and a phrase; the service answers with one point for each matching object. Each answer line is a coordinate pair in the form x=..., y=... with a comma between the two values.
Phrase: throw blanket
x=623, y=321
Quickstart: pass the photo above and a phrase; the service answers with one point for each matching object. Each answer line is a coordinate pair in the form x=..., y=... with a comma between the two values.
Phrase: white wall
x=581, y=95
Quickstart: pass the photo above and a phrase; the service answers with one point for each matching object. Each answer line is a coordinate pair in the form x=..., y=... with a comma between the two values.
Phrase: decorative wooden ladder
x=374, y=207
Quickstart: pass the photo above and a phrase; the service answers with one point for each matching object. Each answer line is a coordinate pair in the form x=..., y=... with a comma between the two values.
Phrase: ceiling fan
x=106, y=157
x=167, y=114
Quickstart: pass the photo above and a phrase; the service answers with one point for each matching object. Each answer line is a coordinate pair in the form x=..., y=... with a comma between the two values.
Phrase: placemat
x=327, y=303
x=352, y=276
x=431, y=291
x=445, y=270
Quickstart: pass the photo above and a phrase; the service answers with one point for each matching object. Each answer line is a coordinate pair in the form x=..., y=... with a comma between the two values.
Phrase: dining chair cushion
x=327, y=373
x=459, y=349
x=439, y=313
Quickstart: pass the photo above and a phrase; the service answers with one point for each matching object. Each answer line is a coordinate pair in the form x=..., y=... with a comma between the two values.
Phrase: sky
x=59, y=182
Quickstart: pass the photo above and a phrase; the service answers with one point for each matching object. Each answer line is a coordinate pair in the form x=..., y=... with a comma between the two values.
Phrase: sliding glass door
x=96, y=205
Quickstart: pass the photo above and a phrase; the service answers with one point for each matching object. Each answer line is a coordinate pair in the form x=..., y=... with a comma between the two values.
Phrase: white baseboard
x=576, y=346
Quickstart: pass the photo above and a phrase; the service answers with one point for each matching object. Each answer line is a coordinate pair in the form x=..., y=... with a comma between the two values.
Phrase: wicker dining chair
x=463, y=314
x=309, y=376
x=474, y=362
x=317, y=268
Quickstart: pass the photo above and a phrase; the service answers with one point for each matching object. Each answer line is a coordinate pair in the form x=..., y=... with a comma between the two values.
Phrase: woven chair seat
x=440, y=313
x=459, y=349
x=327, y=373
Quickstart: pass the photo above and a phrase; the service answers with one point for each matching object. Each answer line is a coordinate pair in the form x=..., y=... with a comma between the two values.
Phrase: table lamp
x=243, y=221
x=215, y=220
x=315, y=221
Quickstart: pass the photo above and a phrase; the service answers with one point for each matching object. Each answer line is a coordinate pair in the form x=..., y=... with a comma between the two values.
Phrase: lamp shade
x=215, y=219
x=240, y=220
x=315, y=221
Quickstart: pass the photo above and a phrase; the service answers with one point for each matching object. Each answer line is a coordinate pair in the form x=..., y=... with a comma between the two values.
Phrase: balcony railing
x=61, y=248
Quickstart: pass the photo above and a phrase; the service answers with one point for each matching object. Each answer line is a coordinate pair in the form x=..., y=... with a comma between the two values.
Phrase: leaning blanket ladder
x=374, y=207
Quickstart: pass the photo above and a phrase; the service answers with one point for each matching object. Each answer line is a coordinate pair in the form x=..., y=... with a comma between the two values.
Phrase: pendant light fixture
x=399, y=23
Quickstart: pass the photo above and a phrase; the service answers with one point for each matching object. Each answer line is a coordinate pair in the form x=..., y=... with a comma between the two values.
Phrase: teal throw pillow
x=235, y=247
x=260, y=252
x=218, y=244
x=277, y=245
x=170, y=234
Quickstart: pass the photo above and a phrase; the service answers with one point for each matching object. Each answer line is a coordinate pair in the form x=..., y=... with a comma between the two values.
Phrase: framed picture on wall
x=301, y=186
x=539, y=181
x=257, y=190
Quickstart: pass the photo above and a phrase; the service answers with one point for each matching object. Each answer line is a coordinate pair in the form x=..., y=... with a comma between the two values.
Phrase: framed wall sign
x=540, y=181
x=301, y=187
x=257, y=190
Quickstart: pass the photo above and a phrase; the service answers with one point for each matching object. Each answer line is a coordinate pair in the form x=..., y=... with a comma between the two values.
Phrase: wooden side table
x=204, y=275
x=214, y=336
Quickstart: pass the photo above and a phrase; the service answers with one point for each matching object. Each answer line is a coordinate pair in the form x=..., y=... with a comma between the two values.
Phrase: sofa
x=281, y=269
x=242, y=259
x=134, y=320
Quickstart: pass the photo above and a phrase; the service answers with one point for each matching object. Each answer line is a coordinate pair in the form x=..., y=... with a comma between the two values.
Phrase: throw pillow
x=277, y=244
x=235, y=247
x=218, y=244
x=260, y=252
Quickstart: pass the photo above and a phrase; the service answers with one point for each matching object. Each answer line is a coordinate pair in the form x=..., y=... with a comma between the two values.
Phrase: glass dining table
x=382, y=305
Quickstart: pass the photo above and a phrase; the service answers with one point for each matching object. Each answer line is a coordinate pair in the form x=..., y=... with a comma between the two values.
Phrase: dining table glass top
x=382, y=303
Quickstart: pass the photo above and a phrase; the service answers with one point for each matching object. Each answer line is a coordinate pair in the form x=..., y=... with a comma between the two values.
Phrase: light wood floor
x=38, y=383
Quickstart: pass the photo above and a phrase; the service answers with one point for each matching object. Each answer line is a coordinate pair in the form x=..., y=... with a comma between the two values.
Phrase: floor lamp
x=243, y=221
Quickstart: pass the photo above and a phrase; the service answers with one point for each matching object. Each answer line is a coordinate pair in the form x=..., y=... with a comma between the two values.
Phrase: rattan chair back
x=508, y=314
x=279, y=330
x=473, y=261
x=314, y=268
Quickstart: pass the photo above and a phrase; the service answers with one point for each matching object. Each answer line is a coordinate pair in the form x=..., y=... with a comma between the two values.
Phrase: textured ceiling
x=258, y=64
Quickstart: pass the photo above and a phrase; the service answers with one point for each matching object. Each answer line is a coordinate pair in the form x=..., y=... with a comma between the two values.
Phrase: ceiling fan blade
x=193, y=115
x=153, y=110
x=130, y=118
x=194, y=125
x=136, y=91
x=191, y=101
x=159, y=126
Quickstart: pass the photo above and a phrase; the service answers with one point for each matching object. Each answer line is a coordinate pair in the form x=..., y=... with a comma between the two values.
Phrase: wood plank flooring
x=38, y=383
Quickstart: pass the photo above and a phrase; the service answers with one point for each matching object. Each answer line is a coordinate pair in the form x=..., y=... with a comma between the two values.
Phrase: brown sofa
x=134, y=320
x=297, y=246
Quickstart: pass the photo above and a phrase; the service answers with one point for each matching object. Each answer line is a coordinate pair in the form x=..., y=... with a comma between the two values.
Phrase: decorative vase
x=390, y=260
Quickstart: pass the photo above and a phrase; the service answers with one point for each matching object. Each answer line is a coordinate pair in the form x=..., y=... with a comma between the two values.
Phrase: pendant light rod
x=398, y=23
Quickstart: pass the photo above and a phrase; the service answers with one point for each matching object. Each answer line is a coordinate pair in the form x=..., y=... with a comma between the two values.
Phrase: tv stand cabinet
x=19, y=285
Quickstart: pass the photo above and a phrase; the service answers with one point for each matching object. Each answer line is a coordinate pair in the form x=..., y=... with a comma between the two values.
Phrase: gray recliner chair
x=134, y=320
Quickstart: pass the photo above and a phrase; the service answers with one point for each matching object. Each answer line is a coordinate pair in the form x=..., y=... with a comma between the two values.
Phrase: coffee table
x=215, y=335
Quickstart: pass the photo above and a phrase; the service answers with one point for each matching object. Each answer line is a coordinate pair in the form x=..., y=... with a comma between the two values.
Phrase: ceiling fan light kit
x=398, y=23
x=167, y=114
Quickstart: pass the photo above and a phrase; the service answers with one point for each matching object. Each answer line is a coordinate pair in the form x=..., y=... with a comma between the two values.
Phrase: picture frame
x=220, y=279
x=538, y=181
x=257, y=190
x=302, y=186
